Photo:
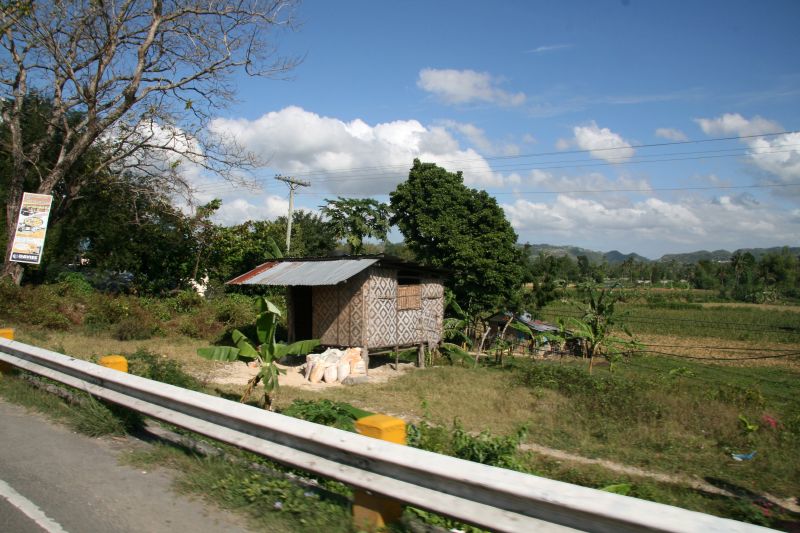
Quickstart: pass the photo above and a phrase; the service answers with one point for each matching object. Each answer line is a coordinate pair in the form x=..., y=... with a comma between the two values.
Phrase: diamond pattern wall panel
x=381, y=308
x=325, y=310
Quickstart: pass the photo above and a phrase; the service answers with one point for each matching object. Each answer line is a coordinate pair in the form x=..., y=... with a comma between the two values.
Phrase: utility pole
x=293, y=184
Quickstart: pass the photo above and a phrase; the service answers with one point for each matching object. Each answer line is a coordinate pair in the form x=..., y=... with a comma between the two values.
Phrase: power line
x=560, y=152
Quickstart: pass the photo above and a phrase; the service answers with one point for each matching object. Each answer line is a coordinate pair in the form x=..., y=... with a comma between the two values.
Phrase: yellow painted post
x=372, y=512
x=6, y=333
x=116, y=362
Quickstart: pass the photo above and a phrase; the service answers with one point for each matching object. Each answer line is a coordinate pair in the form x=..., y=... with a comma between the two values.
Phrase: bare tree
x=138, y=79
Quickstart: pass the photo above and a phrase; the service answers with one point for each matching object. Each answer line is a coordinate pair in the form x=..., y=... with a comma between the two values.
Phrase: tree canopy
x=354, y=219
x=451, y=226
x=140, y=79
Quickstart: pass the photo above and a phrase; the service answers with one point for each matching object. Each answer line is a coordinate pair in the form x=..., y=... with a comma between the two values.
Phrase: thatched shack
x=373, y=302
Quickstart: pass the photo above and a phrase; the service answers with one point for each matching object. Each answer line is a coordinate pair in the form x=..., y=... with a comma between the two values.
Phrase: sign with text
x=31, y=228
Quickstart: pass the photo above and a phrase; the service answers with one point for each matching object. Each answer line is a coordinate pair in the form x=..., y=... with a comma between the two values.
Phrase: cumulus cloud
x=736, y=124
x=671, y=134
x=477, y=137
x=238, y=210
x=601, y=143
x=778, y=155
x=466, y=86
x=352, y=157
x=652, y=224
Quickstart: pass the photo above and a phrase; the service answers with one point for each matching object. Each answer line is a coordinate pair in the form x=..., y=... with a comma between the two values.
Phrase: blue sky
x=491, y=88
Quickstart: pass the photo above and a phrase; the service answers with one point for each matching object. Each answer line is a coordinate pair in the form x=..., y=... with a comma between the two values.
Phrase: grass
x=88, y=416
x=271, y=503
x=739, y=323
x=664, y=414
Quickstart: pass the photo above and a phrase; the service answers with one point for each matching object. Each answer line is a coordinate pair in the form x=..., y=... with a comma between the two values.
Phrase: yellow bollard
x=6, y=333
x=372, y=512
x=116, y=362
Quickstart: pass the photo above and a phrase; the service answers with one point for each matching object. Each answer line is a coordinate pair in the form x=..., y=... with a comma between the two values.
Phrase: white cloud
x=736, y=124
x=778, y=155
x=466, y=86
x=671, y=134
x=477, y=137
x=602, y=143
x=238, y=210
x=352, y=157
x=652, y=225
x=548, y=48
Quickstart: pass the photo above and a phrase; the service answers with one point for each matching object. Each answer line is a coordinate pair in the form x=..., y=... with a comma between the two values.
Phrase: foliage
x=157, y=367
x=266, y=355
x=326, y=412
x=354, y=219
x=120, y=97
x=596, y=325
x=238, y=249
x=448, y=225
x=455, y=441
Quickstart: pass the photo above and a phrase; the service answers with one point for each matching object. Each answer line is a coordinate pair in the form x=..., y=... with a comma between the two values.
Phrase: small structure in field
x=521, y=341
x=371, y=302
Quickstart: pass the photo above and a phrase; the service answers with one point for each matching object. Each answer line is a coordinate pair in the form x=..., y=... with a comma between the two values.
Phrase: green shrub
x=484, y=448
x=326, y=412
x=150, y=365
x=233, y=310
x=74, y=284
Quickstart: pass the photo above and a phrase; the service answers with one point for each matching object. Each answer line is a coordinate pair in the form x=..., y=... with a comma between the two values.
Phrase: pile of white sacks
x=334, y=365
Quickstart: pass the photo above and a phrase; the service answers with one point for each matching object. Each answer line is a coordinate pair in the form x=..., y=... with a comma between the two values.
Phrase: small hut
x=373, y=302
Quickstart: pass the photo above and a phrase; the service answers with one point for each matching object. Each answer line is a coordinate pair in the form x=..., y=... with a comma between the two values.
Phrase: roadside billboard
x=31, y=228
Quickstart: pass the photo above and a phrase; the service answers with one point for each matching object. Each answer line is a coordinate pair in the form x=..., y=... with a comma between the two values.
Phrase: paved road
x=57, y=481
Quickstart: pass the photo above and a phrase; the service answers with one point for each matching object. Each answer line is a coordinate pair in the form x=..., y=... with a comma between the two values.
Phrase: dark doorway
x=303, y=329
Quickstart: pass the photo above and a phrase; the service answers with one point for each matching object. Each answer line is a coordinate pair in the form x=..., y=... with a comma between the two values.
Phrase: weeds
x=334, y=414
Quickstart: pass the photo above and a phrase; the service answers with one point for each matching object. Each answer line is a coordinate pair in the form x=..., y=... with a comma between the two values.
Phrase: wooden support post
x=365, y=357
x=421, y=355
x=373, y=512
x=6, y=333
x=396, y=357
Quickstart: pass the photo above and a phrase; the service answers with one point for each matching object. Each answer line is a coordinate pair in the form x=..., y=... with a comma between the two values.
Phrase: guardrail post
x=116, y=362
x=372, y=512
x=6, y=333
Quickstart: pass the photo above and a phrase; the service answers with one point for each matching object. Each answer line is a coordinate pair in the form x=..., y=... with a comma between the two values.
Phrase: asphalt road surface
x=54, y=480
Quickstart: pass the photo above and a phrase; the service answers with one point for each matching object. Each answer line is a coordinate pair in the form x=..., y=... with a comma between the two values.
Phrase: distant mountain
x=725, y=255
x=573, y=252
x=694, y=257
x=559, y=251
x=614, y=257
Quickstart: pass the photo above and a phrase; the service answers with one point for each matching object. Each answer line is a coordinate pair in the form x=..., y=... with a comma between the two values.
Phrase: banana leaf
x=246, y=350
x=219, y=353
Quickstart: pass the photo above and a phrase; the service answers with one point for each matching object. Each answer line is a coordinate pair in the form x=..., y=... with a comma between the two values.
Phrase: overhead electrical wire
x=357, y=173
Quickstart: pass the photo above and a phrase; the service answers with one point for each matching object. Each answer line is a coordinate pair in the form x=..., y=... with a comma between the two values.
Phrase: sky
x=631, y=125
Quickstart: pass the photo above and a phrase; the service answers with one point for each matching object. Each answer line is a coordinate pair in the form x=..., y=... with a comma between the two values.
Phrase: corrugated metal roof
x=293, y=273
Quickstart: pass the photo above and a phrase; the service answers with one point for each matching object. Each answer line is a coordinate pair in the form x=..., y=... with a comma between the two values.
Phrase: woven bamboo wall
x=338, y=313
x=364, y=312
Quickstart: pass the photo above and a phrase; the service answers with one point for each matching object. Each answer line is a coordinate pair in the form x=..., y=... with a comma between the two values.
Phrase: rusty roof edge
x=238, y=280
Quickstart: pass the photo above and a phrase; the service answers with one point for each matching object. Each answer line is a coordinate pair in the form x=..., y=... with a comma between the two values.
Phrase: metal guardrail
x=488, y=497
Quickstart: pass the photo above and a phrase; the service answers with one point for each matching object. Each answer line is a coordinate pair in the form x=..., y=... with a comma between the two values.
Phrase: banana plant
x=266, y=351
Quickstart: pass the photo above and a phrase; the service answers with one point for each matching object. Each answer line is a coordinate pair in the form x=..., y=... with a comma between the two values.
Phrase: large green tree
x=451, y=226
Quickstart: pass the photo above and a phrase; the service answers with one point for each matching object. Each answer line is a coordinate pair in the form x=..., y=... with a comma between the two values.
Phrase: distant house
x=373, y=302
x=523, y=342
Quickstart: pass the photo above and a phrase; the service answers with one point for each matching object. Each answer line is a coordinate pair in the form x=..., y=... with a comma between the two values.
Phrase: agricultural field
x=714, y=383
